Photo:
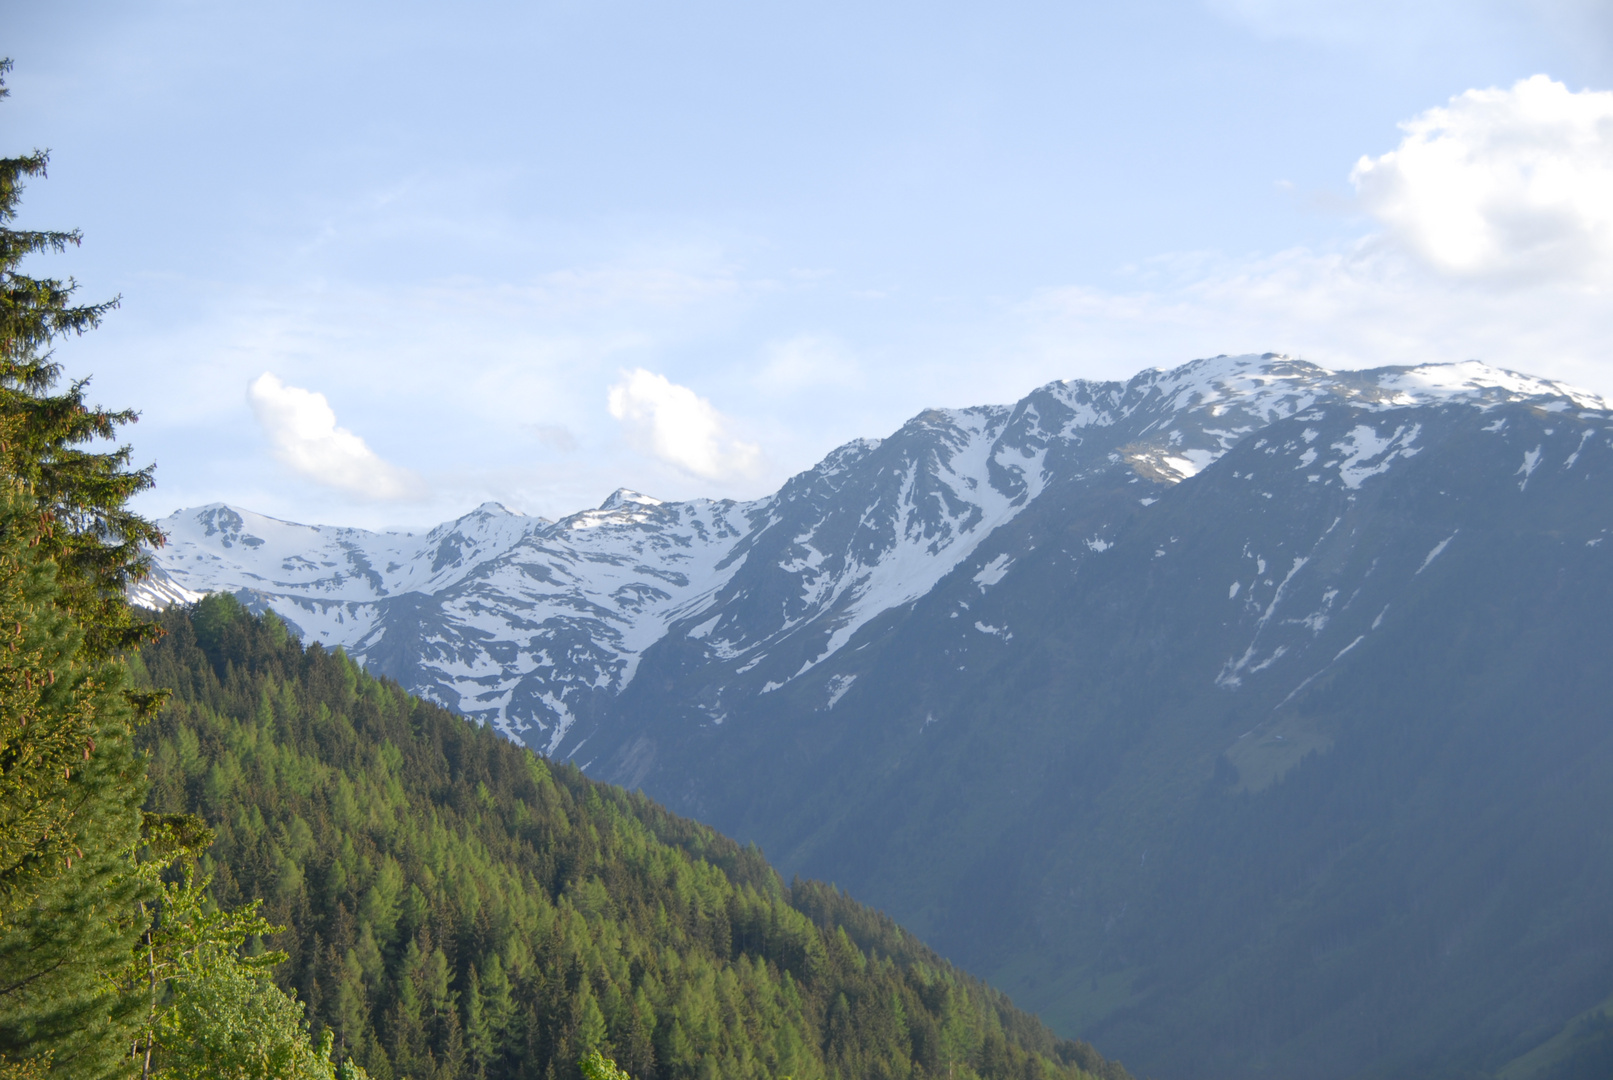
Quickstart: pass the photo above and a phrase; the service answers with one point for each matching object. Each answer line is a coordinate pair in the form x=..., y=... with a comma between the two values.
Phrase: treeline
x=458, y=907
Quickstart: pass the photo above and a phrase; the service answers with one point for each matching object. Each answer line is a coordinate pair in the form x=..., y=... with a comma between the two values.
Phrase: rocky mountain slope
x=1247, y=719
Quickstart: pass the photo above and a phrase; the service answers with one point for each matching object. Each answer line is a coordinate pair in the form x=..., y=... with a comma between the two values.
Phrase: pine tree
x=46, y=732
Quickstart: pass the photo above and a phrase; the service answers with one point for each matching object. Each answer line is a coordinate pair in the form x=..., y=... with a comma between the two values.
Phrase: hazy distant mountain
x=1245, y=719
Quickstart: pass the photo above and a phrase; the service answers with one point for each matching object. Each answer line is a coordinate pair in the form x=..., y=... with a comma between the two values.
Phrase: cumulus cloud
x=301, y=427
x=1514, y=185
x=1493, y=241
x=680, y=427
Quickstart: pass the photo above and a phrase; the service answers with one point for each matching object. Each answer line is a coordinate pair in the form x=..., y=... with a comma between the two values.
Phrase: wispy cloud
x=680, y=427
x=1344, y=21
x=807, y=361
x=302, y=429
x=556, y=437
x=1395, y=26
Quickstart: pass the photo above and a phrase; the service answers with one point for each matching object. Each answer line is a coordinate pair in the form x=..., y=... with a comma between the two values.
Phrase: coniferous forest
x=458, y=907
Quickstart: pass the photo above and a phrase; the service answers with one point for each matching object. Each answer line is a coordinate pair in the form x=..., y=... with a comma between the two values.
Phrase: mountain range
x=1245, y=719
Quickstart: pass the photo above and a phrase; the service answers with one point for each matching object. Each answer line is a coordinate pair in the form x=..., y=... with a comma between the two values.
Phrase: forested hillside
x=458, y=907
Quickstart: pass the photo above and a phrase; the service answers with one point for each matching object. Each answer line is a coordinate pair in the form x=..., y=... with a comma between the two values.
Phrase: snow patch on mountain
x=1367, y=453
x=994, y=571
x=1430, y=557
x=160, y=591
x=837, y=689
x=1531, y=461
x=1473, y=383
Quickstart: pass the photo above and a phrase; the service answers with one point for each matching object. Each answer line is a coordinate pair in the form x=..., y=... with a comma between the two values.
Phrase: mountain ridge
x=986, y=463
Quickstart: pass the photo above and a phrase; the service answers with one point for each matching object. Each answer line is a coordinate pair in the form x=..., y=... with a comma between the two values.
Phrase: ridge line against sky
x=382, y=264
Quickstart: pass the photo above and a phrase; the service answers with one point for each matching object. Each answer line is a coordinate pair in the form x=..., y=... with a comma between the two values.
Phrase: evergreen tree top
x=81, y=494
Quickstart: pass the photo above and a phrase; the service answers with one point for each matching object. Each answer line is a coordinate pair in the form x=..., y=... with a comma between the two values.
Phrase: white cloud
x=1494, y=241
x=680, y=427
x=1515, y=185
x=302, y=429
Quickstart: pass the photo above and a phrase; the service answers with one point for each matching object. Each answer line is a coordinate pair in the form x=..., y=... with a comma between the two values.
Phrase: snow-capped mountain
x=506, y=618
x=532, y=624
x=1246, y=718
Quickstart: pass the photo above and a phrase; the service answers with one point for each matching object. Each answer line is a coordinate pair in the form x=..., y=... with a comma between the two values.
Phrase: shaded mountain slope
x=1284, y=777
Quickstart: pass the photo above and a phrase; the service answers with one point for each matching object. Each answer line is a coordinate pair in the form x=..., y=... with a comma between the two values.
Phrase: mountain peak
x=494, y=509
x=623, y=497
x=1475, y=380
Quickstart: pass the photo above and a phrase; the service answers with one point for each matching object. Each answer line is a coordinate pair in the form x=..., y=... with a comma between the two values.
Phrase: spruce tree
x=81, y=495
x=70, y=794
x=70, y=784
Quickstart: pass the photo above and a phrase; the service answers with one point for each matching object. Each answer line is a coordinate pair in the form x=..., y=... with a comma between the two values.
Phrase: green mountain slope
x=457, y=907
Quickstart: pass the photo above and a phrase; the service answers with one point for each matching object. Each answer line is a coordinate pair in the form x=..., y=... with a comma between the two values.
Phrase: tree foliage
x=210, y=1009
x=47, y=719
x=596, y=1066
x=70, y=794
x=47, y=434
x=70, y=786
x=212, y=1012
x=458, y=907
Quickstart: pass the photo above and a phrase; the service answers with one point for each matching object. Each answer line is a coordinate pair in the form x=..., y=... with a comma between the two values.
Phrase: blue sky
x=380, y=262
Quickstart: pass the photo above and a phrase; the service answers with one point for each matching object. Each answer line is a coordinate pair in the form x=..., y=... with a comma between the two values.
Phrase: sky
x=381, y=262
